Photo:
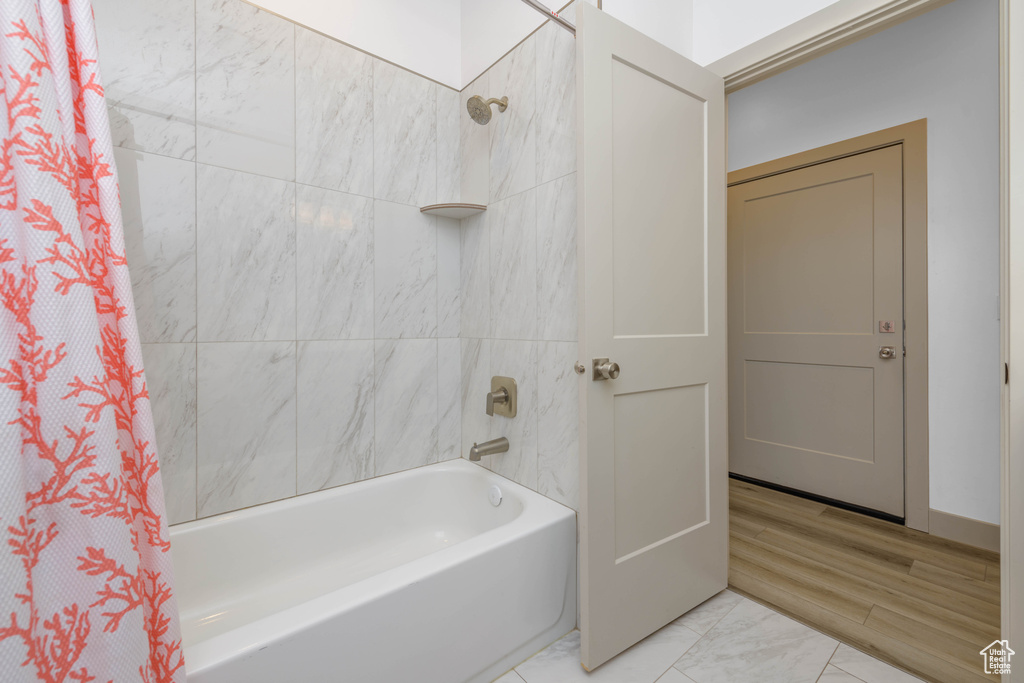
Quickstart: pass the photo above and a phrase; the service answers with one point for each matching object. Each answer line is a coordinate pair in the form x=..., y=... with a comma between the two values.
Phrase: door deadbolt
x=605, y=369
x=887, y=352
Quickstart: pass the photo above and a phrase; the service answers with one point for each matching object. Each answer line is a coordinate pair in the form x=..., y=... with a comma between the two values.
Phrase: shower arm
x=564, y=23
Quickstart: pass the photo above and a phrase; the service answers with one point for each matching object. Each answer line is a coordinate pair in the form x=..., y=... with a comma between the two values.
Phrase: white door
x=653, y=525
x=816, y=329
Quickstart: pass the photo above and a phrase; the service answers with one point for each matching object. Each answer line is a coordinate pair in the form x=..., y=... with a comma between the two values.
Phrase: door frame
x=830, y=28
x=913, y=137
x=1011, y=297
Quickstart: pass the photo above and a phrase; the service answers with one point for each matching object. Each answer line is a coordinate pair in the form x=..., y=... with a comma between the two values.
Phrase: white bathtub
x=415, y=576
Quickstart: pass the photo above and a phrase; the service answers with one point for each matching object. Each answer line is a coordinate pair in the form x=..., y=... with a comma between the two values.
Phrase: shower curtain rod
x=564, y=23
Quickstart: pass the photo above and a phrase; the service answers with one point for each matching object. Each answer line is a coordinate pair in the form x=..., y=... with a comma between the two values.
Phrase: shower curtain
x=85, y=571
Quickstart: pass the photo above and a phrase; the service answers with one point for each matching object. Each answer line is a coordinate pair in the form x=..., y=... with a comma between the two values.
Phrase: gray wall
x=942, y=66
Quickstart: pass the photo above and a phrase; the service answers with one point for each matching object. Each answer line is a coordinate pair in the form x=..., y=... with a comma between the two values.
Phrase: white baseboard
x=964, y=530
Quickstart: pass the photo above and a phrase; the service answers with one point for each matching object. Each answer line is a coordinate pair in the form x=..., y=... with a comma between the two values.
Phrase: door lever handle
x=496, y=398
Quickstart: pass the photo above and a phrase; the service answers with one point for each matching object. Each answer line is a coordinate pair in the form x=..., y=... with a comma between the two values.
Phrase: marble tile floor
x=728, y=639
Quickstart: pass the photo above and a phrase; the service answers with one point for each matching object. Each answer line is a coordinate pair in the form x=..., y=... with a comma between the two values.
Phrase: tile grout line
x=295, y=234
x=373, y=209
x=861, y=652
x=437, y=284
x=721, y=618
x=829, y=663
x=536, y=275
x=823, y=669
x=346, y=44
x=700, y=637
x=195, y=199
x=171, y=157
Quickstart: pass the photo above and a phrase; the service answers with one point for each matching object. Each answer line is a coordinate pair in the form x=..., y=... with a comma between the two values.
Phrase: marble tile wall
x=299, y=315
x=518, y=269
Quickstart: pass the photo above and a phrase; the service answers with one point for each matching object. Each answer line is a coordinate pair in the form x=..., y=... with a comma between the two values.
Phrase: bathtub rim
x=303, y=499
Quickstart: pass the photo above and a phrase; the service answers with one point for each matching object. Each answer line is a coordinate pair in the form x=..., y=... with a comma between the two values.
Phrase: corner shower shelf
x=454, y=210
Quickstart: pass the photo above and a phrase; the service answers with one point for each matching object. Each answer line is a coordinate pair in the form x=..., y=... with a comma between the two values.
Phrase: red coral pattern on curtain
x=85, y=568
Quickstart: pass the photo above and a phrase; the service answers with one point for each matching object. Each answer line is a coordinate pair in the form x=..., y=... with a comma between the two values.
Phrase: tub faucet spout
x=492, y=447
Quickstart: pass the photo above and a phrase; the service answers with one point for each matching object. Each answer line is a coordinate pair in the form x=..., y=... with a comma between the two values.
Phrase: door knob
x=605, y=369
x=887, y=352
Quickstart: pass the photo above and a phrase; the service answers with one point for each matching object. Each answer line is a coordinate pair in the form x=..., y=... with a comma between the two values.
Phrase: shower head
x=480, y=111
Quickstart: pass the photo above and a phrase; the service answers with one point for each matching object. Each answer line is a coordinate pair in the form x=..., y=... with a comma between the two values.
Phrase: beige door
x=815, y=296
x=653, y=525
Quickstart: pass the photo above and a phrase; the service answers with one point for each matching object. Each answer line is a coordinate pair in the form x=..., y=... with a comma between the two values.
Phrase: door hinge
x=1006, y=373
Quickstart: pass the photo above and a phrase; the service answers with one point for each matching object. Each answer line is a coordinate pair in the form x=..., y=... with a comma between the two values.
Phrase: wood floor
x=921, y=603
